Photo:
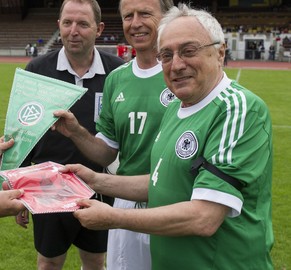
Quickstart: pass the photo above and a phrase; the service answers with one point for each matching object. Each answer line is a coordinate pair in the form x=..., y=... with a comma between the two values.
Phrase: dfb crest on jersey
x=186, y=145
x=166, y=97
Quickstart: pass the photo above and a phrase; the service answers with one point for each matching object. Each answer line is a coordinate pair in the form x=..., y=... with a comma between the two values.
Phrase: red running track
x=231, y=64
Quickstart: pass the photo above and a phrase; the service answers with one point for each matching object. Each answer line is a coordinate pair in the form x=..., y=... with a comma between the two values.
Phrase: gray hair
x=211, y=25
x=165, y=5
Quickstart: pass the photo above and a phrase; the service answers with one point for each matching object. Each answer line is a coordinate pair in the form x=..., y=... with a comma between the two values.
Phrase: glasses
x=188, y=51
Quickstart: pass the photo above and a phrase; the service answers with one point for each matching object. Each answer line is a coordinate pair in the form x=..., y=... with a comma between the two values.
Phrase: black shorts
x=55, y=233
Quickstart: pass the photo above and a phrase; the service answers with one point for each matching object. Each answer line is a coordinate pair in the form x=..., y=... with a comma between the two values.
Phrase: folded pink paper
x=46, y=190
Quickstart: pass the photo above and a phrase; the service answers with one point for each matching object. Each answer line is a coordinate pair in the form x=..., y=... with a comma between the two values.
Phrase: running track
x=231, y=64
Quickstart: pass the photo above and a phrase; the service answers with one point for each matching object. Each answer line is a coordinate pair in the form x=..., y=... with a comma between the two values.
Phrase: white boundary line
x=274, y=126
x=238, y=75
x=281, y=126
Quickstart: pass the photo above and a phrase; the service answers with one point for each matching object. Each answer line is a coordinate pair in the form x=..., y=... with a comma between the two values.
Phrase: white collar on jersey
x=223, y=84
x=145, y=73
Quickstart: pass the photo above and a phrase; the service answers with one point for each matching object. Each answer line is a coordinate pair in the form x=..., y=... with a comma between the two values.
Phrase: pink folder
x=46, y=190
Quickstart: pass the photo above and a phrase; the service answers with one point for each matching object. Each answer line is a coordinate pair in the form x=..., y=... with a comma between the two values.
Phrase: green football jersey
x=232, y=129
x=133, y=105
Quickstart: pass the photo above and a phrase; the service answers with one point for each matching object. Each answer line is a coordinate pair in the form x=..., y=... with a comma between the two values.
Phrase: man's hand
x=67, y=123
x=86, y=174
x=9, y=205
x=94, y=215
x=5, y=145
x=22, y=218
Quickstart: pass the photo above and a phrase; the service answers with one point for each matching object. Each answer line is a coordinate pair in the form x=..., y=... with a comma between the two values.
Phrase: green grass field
x=273, y=86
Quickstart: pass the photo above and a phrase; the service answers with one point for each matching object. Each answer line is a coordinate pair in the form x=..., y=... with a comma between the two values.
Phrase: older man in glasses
x=209, y=190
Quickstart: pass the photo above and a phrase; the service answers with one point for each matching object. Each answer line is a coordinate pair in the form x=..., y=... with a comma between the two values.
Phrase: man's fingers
x=84, y=203
x=17, y=193
x=60, y=113
x=5, y=186
x=5, y=145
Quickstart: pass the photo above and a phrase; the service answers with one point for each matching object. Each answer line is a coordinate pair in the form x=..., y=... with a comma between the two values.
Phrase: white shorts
x=127, y=250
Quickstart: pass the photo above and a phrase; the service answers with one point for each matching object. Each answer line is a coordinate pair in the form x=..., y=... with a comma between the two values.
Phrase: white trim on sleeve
x=109, y=142
x=219, y=197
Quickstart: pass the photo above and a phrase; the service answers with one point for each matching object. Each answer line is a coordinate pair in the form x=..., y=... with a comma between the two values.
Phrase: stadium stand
x=37, y=27
x=20, y=25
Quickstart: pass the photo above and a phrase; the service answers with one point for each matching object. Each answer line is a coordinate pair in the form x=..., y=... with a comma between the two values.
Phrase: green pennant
x=33, y=100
